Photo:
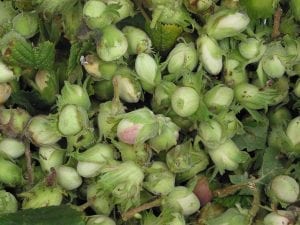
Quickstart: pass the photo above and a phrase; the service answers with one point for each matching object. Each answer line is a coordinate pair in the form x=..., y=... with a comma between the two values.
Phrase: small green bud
x=250, y=48
x=50, y=157
x=273, y=67
x=68, y=178
x=42, y=195
x=235, y=72
x=137, y=126
x=226, y=23
x=8, y=203
x=42, y=130
x=129, y=88
x=13, y=148
x=112, y=44
x=122, y=9
x=26, y=24
x=96, y=14
x=100, y=203
x=211, y=133
x=219, y=97
x=148, y=71
x=182, y=57
x=292, y=131
x=210, y=54
x=182, y=200
x=138, y=153
x=11, y=173
x=138, y=40
x=283, y=189
x=185, y=101
x=72, y=119
x=159, y=180
x=6, y=74
x=5, y=92
x=252, y=97
x=280, y=217
x=74, y=94
x=99, y=69
x=13, y=121
x=167, y=137
x=123, y=182
x=227, y=156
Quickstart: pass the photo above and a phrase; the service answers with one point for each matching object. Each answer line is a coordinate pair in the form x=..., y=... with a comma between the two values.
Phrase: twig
x=28, y=163
x=51, y=178
x=230, y=190
x=84, y=206
x=140, y=7
x=255, y=202
x=129, y=214
x=276, y=25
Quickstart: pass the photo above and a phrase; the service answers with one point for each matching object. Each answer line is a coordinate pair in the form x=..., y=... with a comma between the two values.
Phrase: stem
x=129, y=214
x=255, y=203
x=28, y=163
x=230, y=190
x=70, y=145
x=140, y=7
x=276, y=25
x=116, y=97
x=155, y=16
x=51, y=178
x=84, y=206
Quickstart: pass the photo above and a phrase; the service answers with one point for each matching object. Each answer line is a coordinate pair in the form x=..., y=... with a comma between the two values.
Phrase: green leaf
x=22, y=54
x=58, y=215
x=239, y=178
x=44, y=55
x=40, y=57
x=28, y=100
x=271, y=166
x=230, y=201
x=77, y=50
x=163, y=36
x=255, y=136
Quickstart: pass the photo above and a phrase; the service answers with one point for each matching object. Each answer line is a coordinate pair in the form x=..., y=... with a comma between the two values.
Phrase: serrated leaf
x=45, y=55
x=22, y=54
x=271, y=166
x=254, y=137
x=58, y=215
x=40, y=57
x=76, y=51
x=163, y=36
x=30, y=101
x=245, y=201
